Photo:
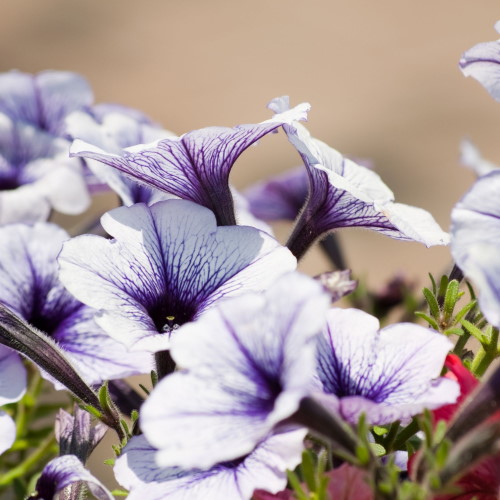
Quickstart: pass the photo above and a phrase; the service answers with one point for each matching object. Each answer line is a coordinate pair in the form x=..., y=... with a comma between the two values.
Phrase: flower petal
x=252, y=364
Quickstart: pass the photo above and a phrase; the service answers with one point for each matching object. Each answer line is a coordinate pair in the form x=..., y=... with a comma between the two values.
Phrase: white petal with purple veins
x=167, y=260
x=482, y=62
x=65, y=471
x=475, y=241
x=12, y=376
x=264, y=468
x=194, y=166
x=249, y=363
x=391, y=374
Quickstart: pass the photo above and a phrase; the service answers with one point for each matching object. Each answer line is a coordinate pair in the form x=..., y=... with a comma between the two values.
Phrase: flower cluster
x=257, y=383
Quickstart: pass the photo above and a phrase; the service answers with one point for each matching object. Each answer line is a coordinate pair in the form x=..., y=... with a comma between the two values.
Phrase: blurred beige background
x=382, y=78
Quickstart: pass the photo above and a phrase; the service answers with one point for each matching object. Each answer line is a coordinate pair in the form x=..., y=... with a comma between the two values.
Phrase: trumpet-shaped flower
x=482, y=62
x=166, y=265
x=475, y=239
x=245, y=369
x=65, y=474
x=12, y=388
x=194, y=166
x=113, y=129
x=390, y=375
x=36, y=173
x=345, y=194
x=30, y=287
x=264, y=467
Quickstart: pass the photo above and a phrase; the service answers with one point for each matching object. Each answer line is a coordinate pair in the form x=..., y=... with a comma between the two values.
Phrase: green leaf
x=378, y=449
x=295, y=484
x=433, y=281
x=432, y=322
x=432, y=302
x=380, y=431
x=450, y=299
x=461, y=314
x=109, y=461
x=93, y=411
x=119, y=493
x=443, y=285
x=473, y=330
x=307, y=468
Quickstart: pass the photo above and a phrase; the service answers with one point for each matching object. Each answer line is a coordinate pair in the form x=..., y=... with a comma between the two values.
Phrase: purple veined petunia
x=112, y=129
x=263, y=468
x=166, y=264
x=30, y=287
x=279, y=198
x=471, y=158
x=244, y=370
x=475, y=239
x=194, y=166
x=64, y=475
x=482, y=62
x=389, y=374
x=12, y=389
x=36, y=173
x=345, y=194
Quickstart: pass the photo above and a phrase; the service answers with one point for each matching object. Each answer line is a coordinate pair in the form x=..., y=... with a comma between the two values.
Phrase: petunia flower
x=36, y=173
x=475, y=239
x=194, y=166
x=264, y=467
x=12, y=389
x=63, y=476
x=249, y=363
x=166, y=265
x=391, y=374
x=30, y=287
x=279, y=198
x=482, y=62
x=114, y=128
x=345, y=194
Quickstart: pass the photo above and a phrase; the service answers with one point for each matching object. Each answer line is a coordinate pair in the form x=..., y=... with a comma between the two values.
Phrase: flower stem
x=22, y=469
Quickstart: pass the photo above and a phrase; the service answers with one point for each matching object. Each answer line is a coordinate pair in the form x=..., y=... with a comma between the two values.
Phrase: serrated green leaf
x=432, y=302
x=432, y=322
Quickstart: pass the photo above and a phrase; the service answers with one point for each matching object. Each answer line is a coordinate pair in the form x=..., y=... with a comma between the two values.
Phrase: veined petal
x=194, y=166
x=169, y=260
x=475, y=241
x=63, y=472
x=113, y=131
x=263, y=468
x=12, y=376
x=388, y=374
x=482, y=62
x=252, y=364
x=43, y=99
x=344, y=194
x=97, y=356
